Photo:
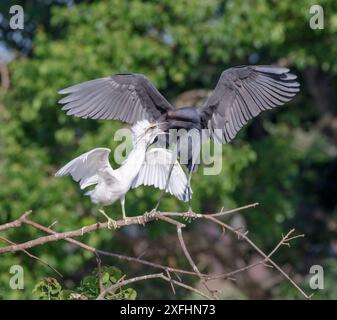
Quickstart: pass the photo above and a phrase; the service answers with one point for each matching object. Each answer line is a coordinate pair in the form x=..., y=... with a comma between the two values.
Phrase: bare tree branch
x=252, y=244
x=142, y=220
x=284, y=240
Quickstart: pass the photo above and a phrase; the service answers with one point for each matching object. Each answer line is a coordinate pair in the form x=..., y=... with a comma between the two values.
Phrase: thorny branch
x=166, y=270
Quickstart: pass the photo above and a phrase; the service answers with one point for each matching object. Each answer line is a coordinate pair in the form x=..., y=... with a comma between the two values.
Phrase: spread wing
x=155, y=171
x=125, y=97
x=241, y=94
x=89, y=168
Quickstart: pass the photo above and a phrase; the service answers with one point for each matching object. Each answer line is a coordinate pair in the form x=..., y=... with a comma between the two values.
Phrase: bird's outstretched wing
x=125, y=97
x=89, y=168
x=241, y=94
x=155, y=170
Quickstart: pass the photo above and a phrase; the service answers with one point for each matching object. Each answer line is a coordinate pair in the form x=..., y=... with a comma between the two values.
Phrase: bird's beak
x=151, y=126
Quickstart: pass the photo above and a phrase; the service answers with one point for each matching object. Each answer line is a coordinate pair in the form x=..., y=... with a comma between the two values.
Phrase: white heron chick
x=142, y=167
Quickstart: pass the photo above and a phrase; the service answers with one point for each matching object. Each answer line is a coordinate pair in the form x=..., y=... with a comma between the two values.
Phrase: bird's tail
x=187, y=194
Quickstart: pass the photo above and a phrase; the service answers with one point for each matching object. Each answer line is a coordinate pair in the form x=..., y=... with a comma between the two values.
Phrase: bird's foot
x=82, y=231
x=111, y=222
x=150, y=215
x=190, y=215
x=140, y=220
x=126, y=220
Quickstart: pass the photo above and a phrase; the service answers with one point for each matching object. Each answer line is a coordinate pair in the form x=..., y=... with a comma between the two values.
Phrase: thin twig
x=120, y=284
x=99, y=272
x=191, y=262
x=252, y=244
x=33, y=256
x=223, y=213
x=16, y=223
x=263, y=261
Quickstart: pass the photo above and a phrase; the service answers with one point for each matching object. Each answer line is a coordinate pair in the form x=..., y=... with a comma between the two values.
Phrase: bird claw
x=150, y=215
x=111, y=222
x=190, y=215
x=126, y=221
x=82, y=231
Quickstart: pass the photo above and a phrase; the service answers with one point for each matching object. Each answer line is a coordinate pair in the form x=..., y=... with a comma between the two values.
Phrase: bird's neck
x=134, y=161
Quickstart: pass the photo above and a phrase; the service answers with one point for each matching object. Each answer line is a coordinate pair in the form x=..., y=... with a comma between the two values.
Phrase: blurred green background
x=285, y=159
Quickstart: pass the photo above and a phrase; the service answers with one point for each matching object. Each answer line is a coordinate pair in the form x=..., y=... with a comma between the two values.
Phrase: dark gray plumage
x=126, y=97
x=240, y=95
x=244, y=92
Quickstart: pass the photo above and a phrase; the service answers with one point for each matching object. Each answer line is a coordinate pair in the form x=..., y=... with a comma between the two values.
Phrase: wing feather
x=155, y=171
x=242, y=93
x=125, y=97
x=89, y=168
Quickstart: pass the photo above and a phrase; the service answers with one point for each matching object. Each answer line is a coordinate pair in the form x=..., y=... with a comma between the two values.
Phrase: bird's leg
x=122, y=200
x=111, y=222
x=155, y=209
x=189, y=188
x=190, y=214
x=149, y=215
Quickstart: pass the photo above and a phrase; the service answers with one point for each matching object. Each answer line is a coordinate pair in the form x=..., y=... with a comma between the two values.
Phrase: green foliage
x=50, y=289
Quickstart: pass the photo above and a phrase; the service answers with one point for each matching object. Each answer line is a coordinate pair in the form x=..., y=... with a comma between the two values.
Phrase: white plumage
x=142, y=167
x=155, y=171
